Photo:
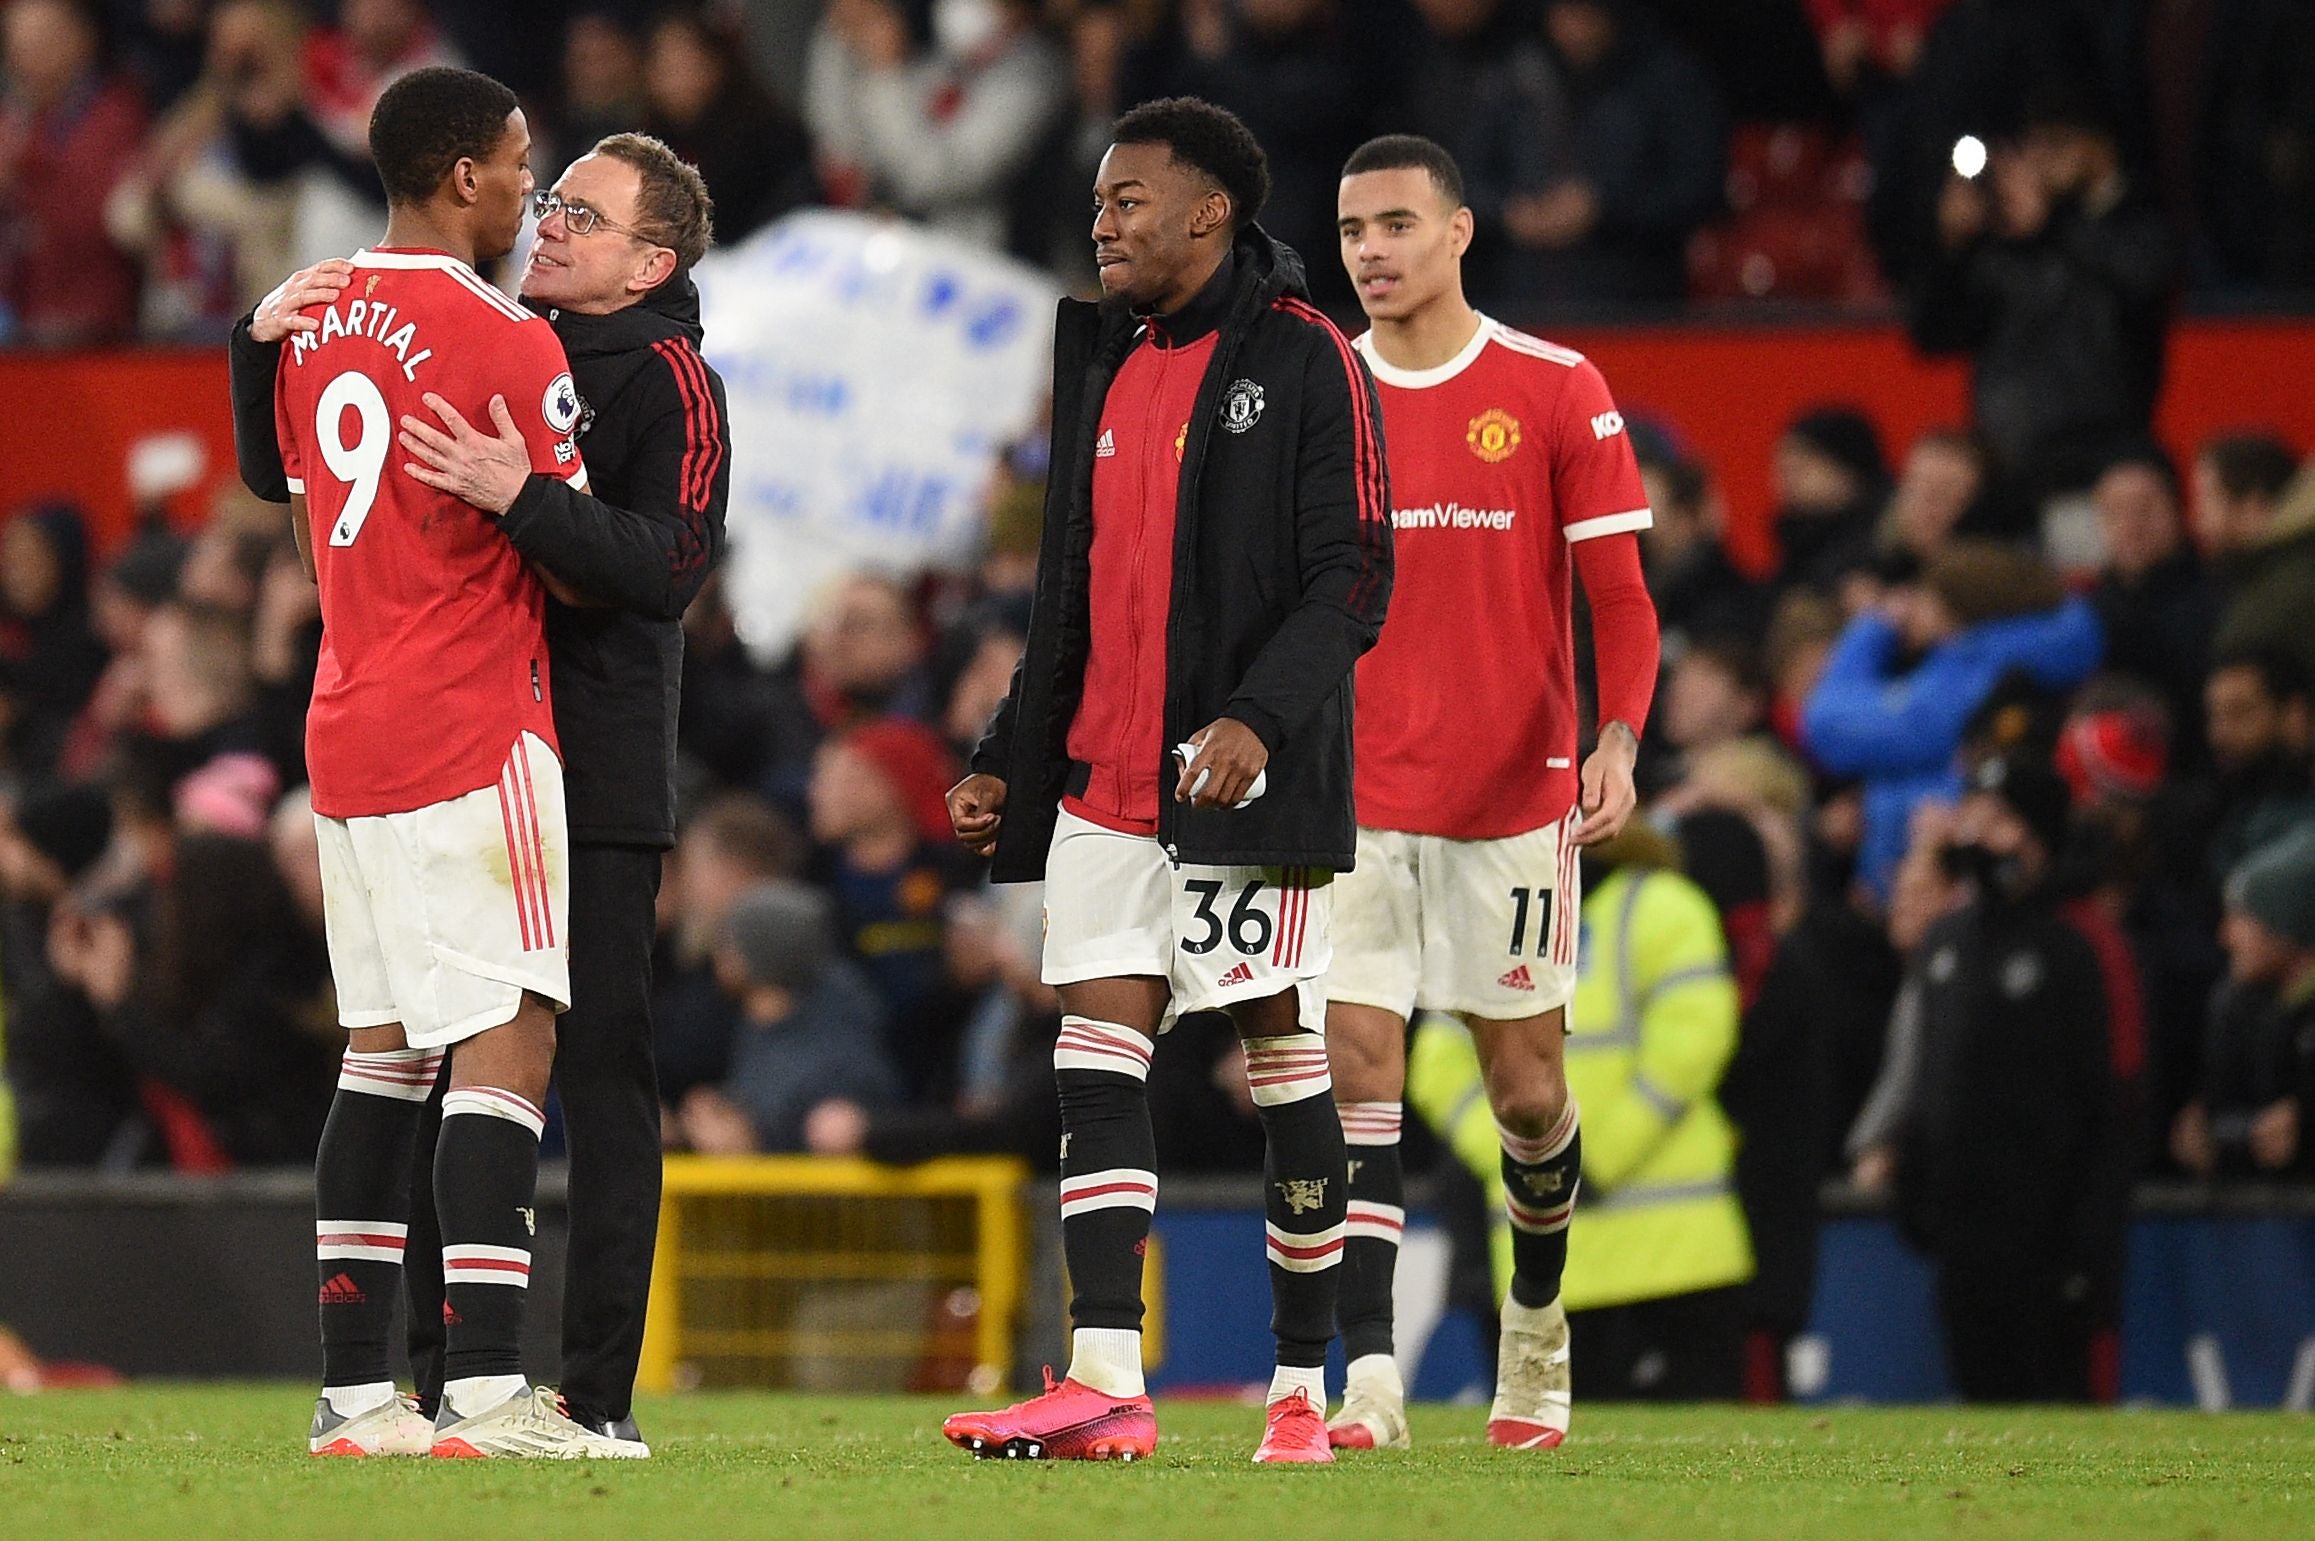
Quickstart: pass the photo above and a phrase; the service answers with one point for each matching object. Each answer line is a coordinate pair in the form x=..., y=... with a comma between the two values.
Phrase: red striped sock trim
x=1113, y=1188
x=1538, y=1221
x=1535, y=1152
x=1377, y=1222
x=1084, y=1044
x=492, y=1102
x=1304, y=1252
x=1370, y=1123
x=473, y=1263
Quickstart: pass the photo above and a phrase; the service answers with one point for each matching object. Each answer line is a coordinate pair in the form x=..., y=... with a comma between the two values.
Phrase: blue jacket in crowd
x=1901, y=732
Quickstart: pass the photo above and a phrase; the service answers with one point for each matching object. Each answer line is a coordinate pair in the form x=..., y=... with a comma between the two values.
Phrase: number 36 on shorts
x=1245, y=932
x=1244, y=921
x=1117, y=907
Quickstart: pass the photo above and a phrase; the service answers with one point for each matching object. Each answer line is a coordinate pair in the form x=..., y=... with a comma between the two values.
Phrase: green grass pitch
x=168, y=1460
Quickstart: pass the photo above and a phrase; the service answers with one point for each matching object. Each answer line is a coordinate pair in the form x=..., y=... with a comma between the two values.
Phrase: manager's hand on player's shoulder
x=976, y=808
x=465, y=462
x=277, y=314
x=1233, y=754
x=1608, y=795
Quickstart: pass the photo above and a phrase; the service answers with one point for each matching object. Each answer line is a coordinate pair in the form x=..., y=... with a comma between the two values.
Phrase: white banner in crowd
x=875, y=370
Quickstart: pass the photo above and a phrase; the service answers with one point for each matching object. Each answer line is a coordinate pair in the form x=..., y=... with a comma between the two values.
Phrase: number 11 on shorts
x=1521, y=900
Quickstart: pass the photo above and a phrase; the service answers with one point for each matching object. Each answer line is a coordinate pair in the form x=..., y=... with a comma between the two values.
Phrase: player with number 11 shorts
x=1509, y=468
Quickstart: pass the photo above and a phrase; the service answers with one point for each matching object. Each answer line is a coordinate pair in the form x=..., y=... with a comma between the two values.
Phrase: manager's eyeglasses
x=579, y=218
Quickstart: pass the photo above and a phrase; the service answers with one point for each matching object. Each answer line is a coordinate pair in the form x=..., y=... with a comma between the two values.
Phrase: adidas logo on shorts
x=1241, y=975
x=1107, y=445
x=1517, y=979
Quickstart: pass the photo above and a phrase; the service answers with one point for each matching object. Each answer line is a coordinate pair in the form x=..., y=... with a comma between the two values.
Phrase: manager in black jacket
x=1174, y=758
x=617, y=238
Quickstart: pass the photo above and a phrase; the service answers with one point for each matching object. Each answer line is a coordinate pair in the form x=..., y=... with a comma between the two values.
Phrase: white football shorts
x=1116, y=907
x=1481, y=928
x=440, y=918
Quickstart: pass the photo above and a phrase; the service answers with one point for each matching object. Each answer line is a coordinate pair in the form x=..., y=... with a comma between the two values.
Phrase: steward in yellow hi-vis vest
x=1659, y=1242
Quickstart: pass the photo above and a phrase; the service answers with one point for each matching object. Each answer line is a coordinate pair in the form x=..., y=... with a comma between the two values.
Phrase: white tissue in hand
x=1189, y=752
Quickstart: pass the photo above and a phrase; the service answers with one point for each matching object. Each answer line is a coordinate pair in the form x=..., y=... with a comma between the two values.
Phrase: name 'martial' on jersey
x=382, y=323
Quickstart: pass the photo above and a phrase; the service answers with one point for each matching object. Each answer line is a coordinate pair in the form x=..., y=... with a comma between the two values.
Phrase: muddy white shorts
x=1484, y=928
x=1116, y=907
x=440, y=918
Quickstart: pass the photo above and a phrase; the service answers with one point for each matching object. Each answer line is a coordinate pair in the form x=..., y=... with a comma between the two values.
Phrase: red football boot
x=1294, y=1432
x=1070, y=1422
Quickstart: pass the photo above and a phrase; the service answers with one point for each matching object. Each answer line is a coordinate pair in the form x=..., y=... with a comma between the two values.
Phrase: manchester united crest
x=1493, y=435
x=1303, y=1194
x=1241, y=406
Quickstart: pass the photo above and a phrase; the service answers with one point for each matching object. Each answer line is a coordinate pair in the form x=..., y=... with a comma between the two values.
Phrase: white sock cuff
x=1116, y=1188
x=353, y=1401
x=1304, y=1251
x=1310, y=1380
x=1371, y=1123
x=1535, y=1152
x=1108, y=1359
x=469, y=1262
x=480, y=1393
x=406, y=1075
x=491, y=1102
x=373, y=1241
x=1085, y=1044
x=1376, y=1222
x=1287, y=1069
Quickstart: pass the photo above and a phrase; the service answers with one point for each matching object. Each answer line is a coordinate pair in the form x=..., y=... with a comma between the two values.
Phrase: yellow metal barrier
x=818, y=1274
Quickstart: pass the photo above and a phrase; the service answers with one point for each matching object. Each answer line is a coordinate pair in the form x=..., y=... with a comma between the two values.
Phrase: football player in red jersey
x=437, y=783
x=1509, y=468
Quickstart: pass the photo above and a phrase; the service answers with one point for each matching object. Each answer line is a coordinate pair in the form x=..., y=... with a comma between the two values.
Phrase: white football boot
x=1531, y=1378
x=1374, y=1408
x=530, y=1425
x=393, y=1427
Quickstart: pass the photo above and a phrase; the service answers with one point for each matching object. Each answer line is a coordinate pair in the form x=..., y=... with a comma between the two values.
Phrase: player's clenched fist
x=1607, y=795
x=1221, y=773
x=277, y=314
x=976, y=808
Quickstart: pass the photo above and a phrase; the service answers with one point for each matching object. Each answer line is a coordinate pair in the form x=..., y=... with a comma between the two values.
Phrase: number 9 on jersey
x=361, y=463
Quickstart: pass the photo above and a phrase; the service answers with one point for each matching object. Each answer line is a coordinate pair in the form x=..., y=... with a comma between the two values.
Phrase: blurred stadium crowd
x=163, y=162
x=2127, y=642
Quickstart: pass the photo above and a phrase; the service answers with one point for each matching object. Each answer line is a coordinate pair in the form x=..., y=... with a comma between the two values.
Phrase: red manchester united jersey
x=1500, y=459
x=1118, y=733
x=433, y=654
